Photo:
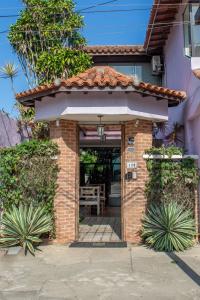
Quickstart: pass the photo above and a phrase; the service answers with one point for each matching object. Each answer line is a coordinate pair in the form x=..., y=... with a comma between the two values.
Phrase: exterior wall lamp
x=100, y=127
x=137, y=123
x=103, y=138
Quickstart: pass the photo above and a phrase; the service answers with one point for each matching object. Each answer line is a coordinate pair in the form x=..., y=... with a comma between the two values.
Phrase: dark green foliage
x=28, y=174
x=168, y=227
x=39, y=130
x=89, y=159
x=61, y=63
x=23, y=226
x=172, y=150
x=171, y=180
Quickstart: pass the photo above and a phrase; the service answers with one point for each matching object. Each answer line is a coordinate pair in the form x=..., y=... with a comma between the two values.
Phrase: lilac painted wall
x=117, y=106
x=179, y=75
x=9, y=131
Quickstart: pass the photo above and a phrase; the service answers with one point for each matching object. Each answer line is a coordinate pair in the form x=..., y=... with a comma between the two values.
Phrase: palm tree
x=9, y=71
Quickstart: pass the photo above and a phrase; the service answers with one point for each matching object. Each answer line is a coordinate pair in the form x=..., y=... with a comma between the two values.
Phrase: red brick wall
x=133, y=198
x=66, y=200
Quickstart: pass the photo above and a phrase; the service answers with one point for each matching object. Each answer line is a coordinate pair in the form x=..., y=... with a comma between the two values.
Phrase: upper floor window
x=129, y=69
x=192, y=29
x=143, y=71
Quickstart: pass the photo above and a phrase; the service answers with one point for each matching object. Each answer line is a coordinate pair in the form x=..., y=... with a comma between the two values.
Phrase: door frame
x=121, y=146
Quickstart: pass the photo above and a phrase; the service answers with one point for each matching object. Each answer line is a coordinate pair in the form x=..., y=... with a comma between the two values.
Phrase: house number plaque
x=132, y=165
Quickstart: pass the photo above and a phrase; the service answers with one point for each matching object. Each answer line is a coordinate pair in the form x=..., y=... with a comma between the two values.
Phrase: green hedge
x=172, y=150
x=28, y=174
x=171, y=180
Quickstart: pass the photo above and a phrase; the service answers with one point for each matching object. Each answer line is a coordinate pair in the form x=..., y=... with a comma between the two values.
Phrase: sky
x=126, y=27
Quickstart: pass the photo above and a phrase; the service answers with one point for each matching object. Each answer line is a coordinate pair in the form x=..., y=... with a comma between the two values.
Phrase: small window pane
x=138, y=72
x=187, y=34
x=195, y=16
x=130, y=70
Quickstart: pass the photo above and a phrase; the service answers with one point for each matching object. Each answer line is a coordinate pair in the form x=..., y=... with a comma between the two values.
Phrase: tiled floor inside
x=100, y=229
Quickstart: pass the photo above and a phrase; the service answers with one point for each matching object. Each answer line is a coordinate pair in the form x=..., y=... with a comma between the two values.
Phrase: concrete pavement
x=59, y=273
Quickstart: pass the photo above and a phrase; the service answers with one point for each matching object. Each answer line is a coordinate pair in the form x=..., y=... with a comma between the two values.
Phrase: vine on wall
x=171, y=180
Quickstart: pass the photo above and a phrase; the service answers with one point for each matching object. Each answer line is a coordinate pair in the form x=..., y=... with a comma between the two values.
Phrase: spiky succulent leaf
x=168, y=227
x=23, y=226
x=9, y=71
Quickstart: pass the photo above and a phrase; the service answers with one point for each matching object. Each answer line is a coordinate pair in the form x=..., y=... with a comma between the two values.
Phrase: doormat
x=98, y=245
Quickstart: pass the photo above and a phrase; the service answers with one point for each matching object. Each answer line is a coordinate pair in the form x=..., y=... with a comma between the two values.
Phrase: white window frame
x=189, y=48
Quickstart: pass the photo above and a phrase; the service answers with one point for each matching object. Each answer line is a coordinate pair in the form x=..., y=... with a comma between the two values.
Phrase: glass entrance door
x=102, y=165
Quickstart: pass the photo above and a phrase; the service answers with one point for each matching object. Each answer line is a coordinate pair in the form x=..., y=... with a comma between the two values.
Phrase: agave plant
x=168, y=227
x=23, y=227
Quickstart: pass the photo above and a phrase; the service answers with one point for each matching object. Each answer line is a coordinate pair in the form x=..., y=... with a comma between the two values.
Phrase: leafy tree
x=48, y=44
x=47, y=41
x=62, y=63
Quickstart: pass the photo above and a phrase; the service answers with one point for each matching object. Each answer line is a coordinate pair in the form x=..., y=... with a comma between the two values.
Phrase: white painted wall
x=117, y=106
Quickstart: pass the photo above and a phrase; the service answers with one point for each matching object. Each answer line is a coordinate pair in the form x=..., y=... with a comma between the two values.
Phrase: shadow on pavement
x=184, y=267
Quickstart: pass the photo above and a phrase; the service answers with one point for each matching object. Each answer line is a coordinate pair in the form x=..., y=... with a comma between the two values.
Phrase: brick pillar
x=66, y=199
x=133, y=198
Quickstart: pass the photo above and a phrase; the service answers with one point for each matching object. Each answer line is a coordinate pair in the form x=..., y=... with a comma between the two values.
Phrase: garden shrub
x=171, y=180
x=23, y=226
x=168, y=227
x=28, y=175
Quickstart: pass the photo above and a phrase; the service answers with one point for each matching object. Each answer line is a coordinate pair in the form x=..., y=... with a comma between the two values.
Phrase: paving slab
x=60, y=272
x=13, y=250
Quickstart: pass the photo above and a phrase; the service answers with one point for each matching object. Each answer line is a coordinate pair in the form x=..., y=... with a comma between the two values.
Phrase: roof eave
x=30, y=100
x=160, y=15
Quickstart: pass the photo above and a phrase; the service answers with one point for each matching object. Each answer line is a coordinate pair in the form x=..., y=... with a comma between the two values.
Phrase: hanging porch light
x=100, y=127
x=103, y=138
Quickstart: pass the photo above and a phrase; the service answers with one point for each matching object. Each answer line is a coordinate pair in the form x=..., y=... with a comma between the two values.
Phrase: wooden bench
x=90, y=196
x=102, y=187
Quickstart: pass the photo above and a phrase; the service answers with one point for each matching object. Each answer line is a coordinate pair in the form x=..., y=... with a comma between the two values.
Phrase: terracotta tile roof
x=197, y=73
x=162, y=16
x=102, y=77
x=115, y=50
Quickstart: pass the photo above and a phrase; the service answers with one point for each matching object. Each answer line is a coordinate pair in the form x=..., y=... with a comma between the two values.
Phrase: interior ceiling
x=94, y=127
x=89, y=136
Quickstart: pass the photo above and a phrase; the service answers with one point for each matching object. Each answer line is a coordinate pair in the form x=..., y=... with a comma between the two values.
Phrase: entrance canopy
x=101, y=91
